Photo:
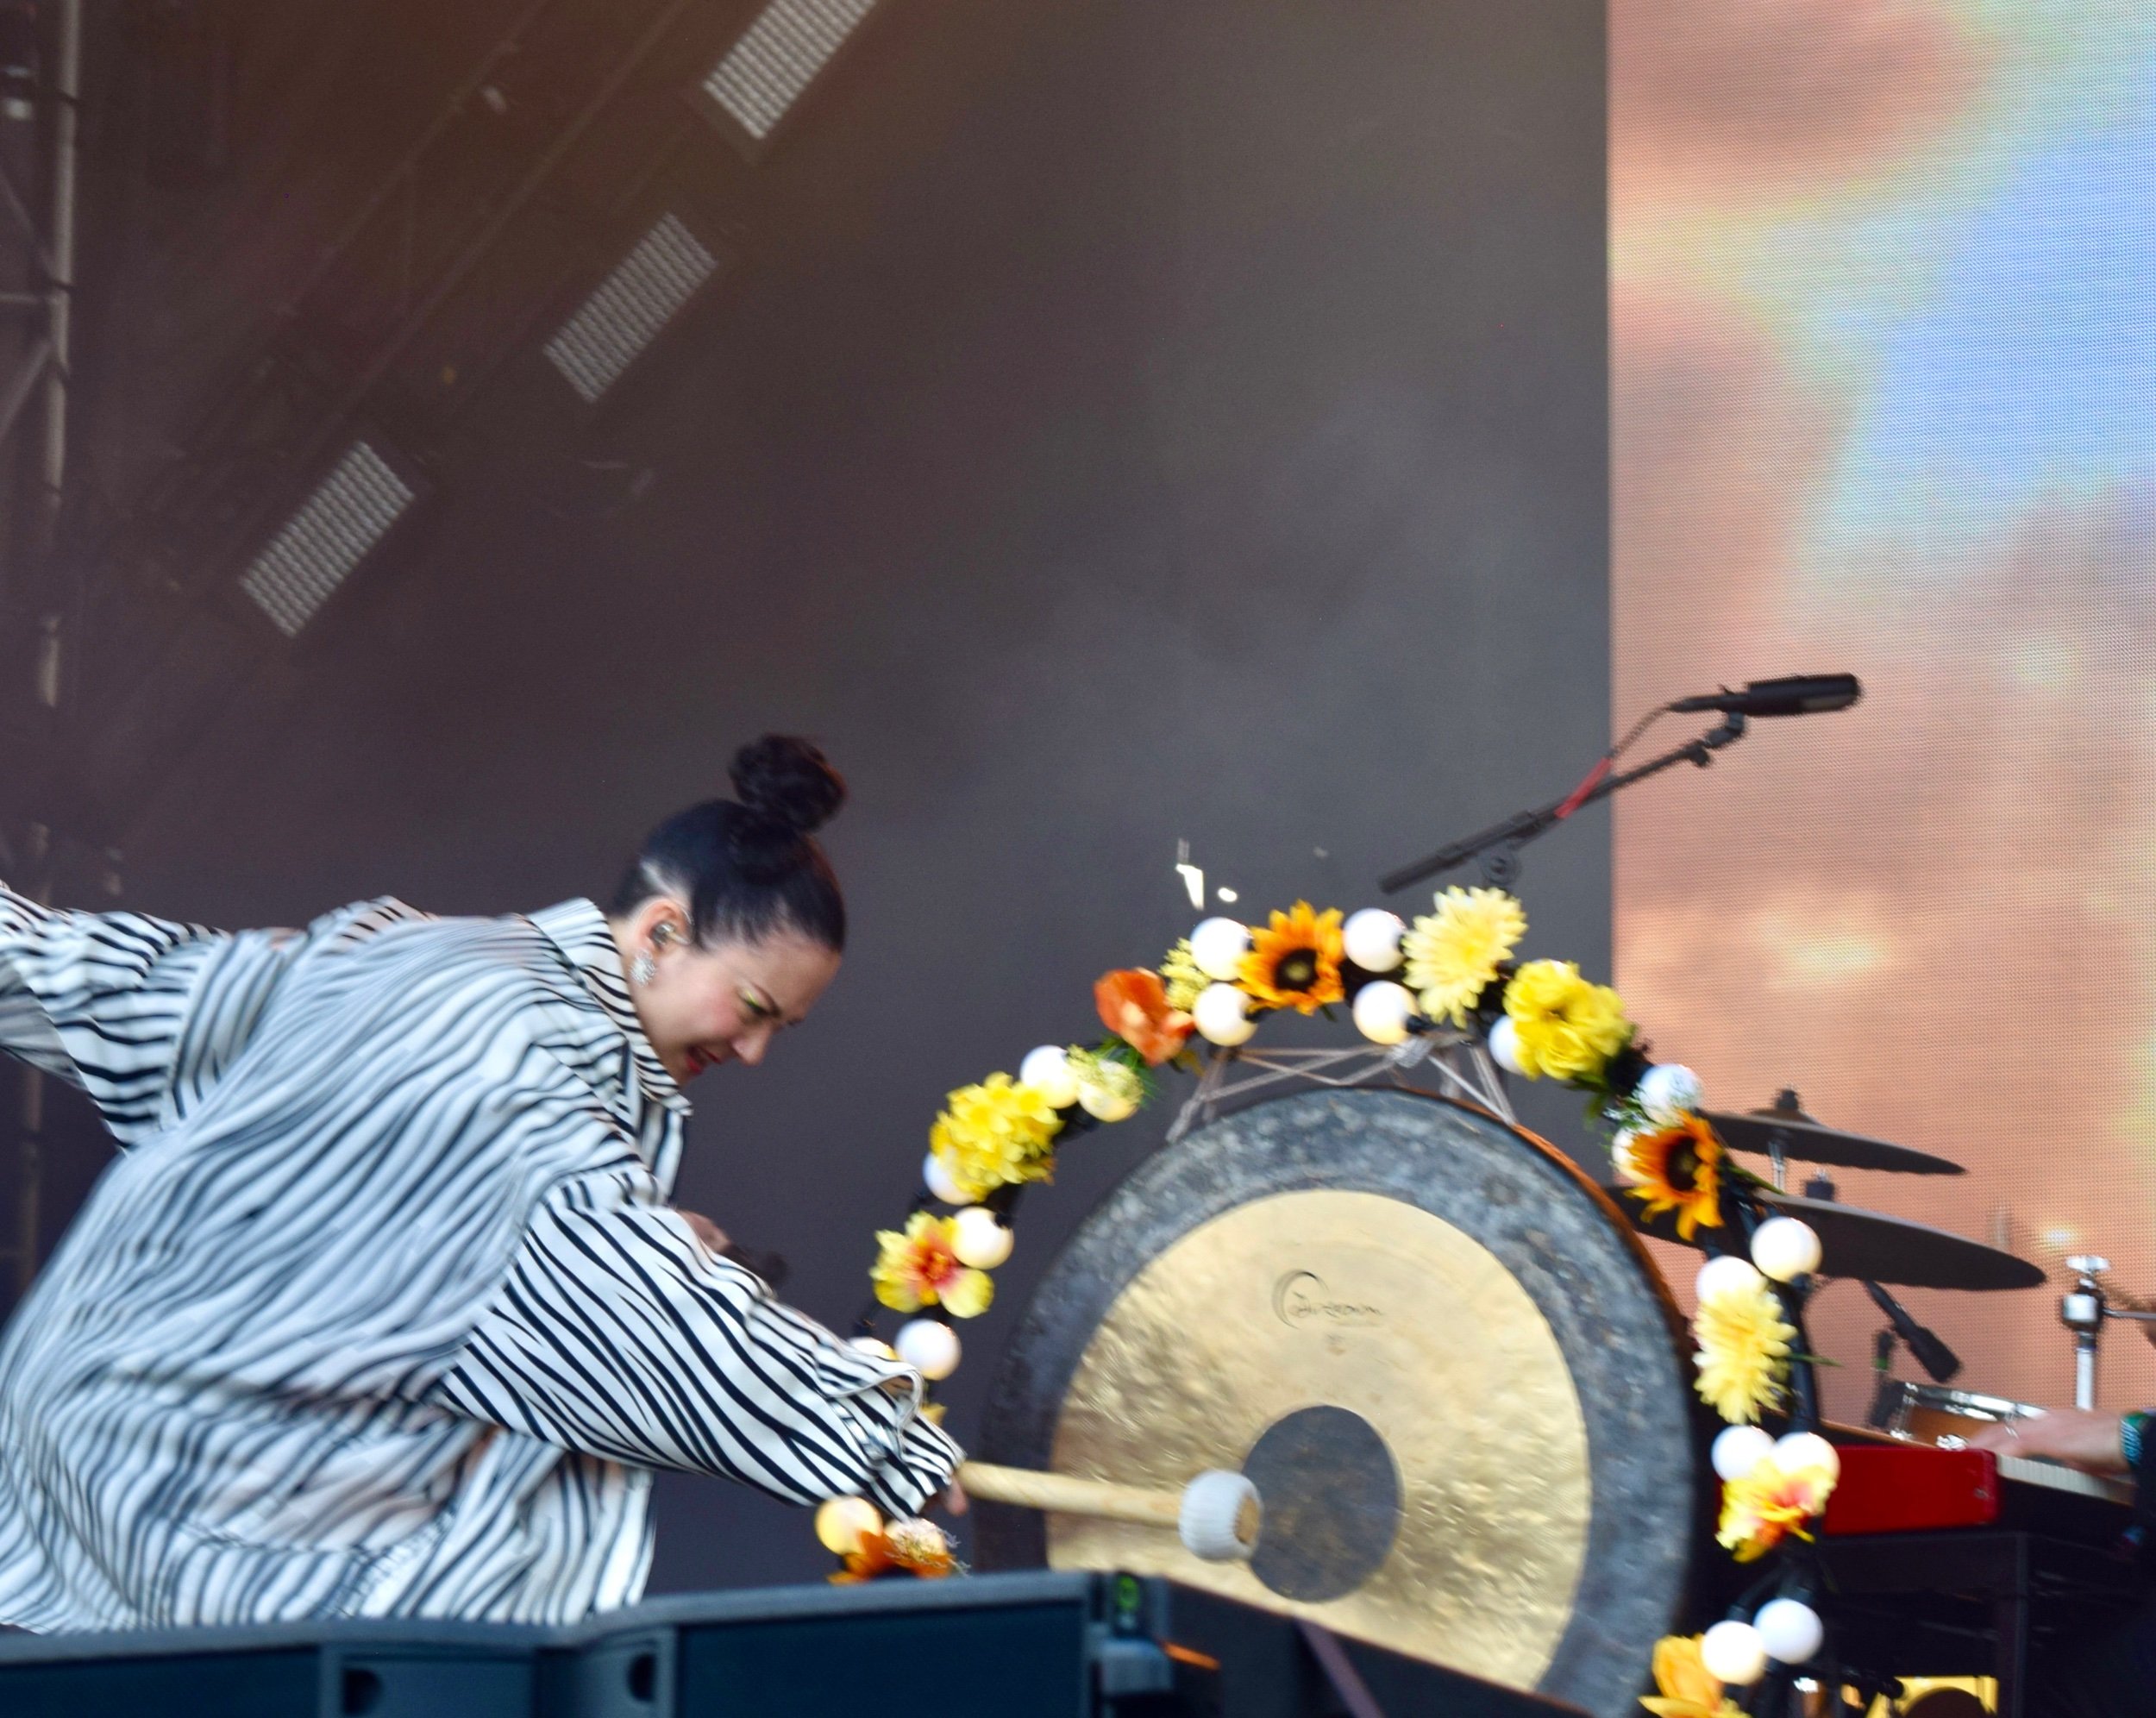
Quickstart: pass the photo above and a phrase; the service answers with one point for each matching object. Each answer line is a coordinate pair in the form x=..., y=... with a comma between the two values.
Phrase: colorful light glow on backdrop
x=1883, y=317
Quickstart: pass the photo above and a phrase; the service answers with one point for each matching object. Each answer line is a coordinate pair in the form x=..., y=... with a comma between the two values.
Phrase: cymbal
x=1807, y=1142
x=1871, y=1246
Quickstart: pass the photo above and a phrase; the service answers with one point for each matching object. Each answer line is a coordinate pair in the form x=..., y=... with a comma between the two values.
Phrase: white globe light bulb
x=1223, y=1015
x=1381, y=1011
x=841, y=1523
x=1103, y=1104
x=1371, y=938
x=1790, y=1631
x=979, y=1238
x=1667, y=1092
x=1047, y=1071
x=1739, y=1449
x=1504, y=1045
x=938, y=1181
x=1727, y=1275
x=1218, y=946
x=930, y=1347
x=1734, y=1653
x=1785, y=1248
x=1805, y=1451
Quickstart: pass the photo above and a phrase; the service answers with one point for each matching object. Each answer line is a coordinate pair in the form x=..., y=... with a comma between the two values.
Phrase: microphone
x=1792, y=695
x=1932, y=1354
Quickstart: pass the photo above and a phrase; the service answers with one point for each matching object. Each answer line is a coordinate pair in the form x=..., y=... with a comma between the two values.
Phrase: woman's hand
x=704, y=1230
x=952, y=1497
x=2087, y=1441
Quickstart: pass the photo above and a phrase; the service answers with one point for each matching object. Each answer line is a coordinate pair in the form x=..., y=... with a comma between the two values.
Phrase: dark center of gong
x=1331, y=1494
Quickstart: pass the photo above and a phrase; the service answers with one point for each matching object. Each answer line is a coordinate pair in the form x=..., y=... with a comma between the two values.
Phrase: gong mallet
x=1218, y=1515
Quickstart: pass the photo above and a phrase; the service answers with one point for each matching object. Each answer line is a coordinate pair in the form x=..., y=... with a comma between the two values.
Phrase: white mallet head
x=1220, y=1517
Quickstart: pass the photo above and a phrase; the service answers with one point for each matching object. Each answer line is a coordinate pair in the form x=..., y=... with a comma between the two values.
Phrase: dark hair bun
x=788, y=783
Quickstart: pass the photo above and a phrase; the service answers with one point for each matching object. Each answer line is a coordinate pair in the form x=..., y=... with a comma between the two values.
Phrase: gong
x=1434, y=1347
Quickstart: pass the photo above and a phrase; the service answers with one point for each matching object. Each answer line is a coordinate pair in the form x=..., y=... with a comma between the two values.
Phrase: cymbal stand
x=2083, y=1309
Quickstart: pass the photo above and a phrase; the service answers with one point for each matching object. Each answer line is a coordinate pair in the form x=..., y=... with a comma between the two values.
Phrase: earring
x=642, y=968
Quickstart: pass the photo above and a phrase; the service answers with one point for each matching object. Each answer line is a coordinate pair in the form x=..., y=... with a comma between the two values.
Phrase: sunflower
x=993, y=1134
x=1568, y=1028
x=1134, y=1006
x=1453, y=954
x=1743, y=1351
x=1769, y=1503
x=1295, y=962
x=1688, y=1688
x=1677, y=1169
x=920, y=1267
x=1180, y=976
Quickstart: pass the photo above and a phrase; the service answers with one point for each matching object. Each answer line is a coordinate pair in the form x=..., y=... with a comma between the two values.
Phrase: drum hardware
x=1782, y=1133
x=2083, y=1309
x=1929, y=1350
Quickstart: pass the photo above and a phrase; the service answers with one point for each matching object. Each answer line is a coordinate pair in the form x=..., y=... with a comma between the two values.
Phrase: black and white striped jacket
x=384, y=1314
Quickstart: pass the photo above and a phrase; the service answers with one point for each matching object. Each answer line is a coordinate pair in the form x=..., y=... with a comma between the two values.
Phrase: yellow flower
x=995, y=1133
x=1566, y=1026
x=1677, y=1169
x=1294, y=962
x=1688, y=1688
x=1179, y=972
x=1743, y=1351
x=920, y=1267
x=1453, y=954
x=1769, y=1503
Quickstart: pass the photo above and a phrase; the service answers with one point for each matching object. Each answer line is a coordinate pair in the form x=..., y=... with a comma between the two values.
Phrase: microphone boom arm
x=1502, y=841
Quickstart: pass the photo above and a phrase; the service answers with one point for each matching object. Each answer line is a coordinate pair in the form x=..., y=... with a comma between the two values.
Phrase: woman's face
x=706, y=1005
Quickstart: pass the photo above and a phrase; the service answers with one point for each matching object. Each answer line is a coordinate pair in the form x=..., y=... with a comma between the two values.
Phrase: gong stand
x=1457, y=1062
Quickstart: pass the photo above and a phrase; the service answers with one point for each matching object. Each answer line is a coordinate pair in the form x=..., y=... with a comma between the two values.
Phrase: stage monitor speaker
x=335, y=1669
x=1075, y=1645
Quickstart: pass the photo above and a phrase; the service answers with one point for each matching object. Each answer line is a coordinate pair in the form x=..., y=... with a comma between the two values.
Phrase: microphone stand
x=1501, y=842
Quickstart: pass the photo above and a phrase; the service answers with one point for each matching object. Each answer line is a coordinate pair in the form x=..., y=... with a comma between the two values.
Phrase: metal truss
x=1457, y=1063
x=40, y=91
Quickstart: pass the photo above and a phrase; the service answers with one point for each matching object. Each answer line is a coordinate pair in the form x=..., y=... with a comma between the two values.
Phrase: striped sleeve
x=617, y=1335
x=100, y=1000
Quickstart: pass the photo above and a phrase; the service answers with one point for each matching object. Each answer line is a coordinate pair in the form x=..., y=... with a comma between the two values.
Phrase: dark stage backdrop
x=1142, y=422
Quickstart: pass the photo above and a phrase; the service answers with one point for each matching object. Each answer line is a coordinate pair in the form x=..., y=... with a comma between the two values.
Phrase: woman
x=386, y=1314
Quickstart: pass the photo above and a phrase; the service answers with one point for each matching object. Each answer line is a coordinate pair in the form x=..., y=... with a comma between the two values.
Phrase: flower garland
x=1451, y=970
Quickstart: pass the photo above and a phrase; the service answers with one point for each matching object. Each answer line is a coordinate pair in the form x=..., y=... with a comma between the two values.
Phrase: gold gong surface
x=1321, y=1297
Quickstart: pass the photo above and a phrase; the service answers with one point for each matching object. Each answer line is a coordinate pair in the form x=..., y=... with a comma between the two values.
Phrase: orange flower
x=1676, y=1167
x=1295, y=962
x=1689, y=1689
x=1133, y=1004
x=915, y=1547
